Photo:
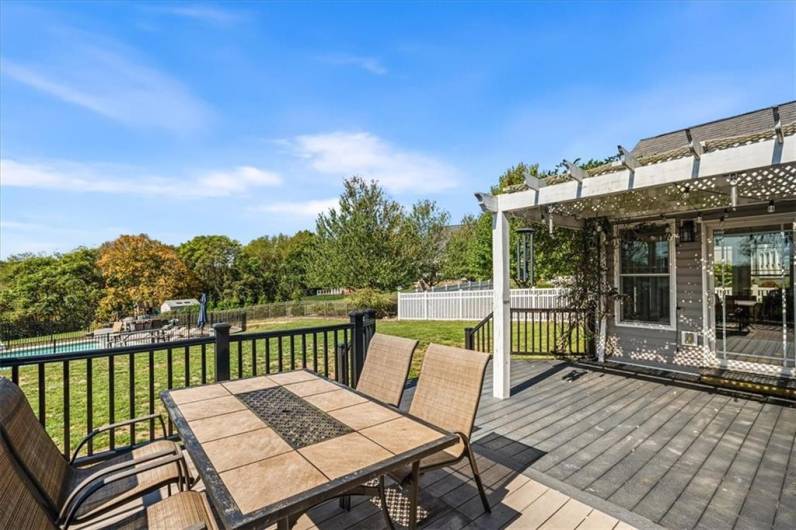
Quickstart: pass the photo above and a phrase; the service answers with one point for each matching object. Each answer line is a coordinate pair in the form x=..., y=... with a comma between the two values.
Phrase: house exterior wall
x=661, y=347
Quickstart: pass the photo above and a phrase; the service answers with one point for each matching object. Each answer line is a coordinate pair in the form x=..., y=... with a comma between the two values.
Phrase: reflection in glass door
x=753, y=293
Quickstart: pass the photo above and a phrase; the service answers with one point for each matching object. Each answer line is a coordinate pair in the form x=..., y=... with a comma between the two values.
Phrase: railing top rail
x=19, y=360
x=483, y=323
x=544, y=310
x=287, y=332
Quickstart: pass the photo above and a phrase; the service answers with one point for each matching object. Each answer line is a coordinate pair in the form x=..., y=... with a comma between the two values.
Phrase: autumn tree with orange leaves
x=139, y=274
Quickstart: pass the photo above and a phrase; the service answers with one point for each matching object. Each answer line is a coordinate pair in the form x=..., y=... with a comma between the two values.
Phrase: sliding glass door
x=753, y=294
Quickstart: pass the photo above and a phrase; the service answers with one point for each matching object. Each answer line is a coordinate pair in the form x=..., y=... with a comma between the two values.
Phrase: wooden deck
x=575, y=448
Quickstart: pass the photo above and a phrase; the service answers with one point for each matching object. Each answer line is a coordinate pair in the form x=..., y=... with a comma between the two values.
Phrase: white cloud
x=204, y=13
x=345, y=154
x=78, y=177
x=309, y=208
x=101, y=76
x=369, y=64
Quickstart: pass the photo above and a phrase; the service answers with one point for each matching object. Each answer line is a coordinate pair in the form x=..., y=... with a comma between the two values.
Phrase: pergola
x=697, y=174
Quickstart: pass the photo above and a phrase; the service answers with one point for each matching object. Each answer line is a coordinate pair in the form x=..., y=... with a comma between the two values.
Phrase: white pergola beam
x=533, y=182
x=626, y=159
x=778, y=126
x=694, y=146
x=681, y=170
x=576, y=172
x=501, y=349
x=487, y=202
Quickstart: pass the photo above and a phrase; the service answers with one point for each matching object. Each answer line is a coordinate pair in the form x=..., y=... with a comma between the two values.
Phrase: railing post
x=357, y=345
x=222, y=351
x=468, y=339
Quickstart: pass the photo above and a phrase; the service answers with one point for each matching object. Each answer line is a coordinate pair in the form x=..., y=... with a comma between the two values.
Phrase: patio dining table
x=268, y=448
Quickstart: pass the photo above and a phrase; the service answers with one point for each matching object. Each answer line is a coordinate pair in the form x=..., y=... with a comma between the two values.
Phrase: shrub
x=384, y=304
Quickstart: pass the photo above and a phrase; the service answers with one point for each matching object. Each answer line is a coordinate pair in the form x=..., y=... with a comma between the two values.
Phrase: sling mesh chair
x=22, y=507
x=383, y=378
x=386, y=368
x=447, y=396
x=60, y=481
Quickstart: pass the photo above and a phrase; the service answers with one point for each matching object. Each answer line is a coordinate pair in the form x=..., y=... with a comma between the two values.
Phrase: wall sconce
x=687, y=231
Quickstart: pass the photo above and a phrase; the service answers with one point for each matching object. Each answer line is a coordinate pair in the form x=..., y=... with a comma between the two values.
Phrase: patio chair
x=386, y=368
x=22, y=505
x=60, y=481
x=447, y=396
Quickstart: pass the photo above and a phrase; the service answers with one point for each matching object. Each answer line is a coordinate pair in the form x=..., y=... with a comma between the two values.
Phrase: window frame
x=672, y=274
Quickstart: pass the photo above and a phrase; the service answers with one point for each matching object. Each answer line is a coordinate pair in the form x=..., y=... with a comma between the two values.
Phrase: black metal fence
x=166, y=328
x=75, y=391
x=536, y=331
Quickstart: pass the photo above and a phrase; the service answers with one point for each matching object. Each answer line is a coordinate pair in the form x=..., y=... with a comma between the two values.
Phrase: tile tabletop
x=272, y=446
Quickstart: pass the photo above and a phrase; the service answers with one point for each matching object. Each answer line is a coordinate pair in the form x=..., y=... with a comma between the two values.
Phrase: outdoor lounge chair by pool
x=386, y=368
x=61, y=482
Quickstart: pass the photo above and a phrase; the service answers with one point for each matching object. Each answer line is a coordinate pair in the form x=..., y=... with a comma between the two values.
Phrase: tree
x=140, y=273
x=363, y=242
x=473, y=249
x=212, y=260
x=455, y=257
x=48, y=294
x=273, y=268
x=428, y=223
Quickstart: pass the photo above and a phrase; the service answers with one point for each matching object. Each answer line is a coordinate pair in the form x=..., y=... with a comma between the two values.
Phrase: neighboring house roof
x=182, y=301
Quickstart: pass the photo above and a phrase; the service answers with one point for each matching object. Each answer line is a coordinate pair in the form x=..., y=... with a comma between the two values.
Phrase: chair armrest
x=110, y=426
x=88, y=487
x=160, y=458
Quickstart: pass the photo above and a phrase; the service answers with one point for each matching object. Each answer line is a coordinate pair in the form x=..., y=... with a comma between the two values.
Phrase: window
x=645, y=275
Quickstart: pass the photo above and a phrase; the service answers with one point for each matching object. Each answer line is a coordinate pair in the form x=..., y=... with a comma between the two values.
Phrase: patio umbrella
x=202, y=311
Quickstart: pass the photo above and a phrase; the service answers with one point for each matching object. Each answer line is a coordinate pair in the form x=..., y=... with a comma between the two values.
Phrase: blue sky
x=178, y=119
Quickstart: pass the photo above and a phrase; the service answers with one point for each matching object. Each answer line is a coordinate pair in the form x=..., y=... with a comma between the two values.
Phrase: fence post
x=357, y=345
x=222, y=351
x=243, y=321
x=425, y=305
x=461, y=304
x=468, y=339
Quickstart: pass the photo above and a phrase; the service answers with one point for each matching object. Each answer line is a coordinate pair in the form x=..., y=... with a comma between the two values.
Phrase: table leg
x=284, y=524
x=414, y=488
x=345, y=503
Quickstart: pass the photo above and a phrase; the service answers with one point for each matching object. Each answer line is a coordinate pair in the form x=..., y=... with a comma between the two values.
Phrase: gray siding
x=657, y=347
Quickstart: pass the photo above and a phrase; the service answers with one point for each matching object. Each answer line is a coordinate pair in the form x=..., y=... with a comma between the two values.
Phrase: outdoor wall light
x=687, y=231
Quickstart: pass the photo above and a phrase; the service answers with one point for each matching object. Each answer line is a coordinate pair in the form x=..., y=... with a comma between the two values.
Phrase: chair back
x=449, y=388
x=19, y=502
x=32, y=446
x=386, y=367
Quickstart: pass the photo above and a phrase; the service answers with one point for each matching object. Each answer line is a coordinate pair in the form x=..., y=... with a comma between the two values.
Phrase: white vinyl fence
x=470, y=305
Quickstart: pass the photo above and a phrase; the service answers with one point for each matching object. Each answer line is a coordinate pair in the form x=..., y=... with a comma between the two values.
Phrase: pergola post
x=501, y=349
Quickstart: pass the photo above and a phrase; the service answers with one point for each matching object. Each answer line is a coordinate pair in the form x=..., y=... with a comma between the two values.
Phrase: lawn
x=91, y=379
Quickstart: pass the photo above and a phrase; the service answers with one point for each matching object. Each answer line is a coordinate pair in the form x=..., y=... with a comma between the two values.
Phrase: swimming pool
x=50, y=349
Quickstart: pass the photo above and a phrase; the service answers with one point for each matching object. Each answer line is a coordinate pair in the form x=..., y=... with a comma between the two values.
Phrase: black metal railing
x=72, y=392
x=556, y=331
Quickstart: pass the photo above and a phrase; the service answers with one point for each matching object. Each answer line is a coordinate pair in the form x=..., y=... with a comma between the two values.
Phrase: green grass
x=441, y=332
